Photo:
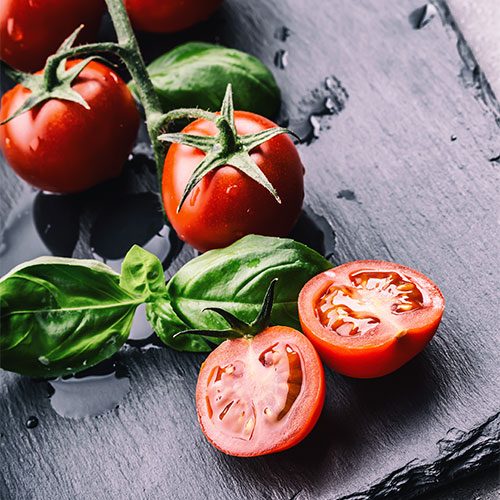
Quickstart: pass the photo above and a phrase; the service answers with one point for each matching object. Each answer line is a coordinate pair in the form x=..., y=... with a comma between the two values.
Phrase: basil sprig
x=196, y=74
x=61, y=316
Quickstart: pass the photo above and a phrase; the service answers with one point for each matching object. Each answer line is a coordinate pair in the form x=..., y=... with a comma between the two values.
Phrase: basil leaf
x=142, y=273
x=236, y=279
x=166, y=323
x=61, y=316
x=196, y=75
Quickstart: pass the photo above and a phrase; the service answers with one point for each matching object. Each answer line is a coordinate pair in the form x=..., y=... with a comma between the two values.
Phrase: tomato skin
x=160, y=16
x=386, y=347
x=227, y=204
x=254, y=379
x=32, y=30
x=62, y=147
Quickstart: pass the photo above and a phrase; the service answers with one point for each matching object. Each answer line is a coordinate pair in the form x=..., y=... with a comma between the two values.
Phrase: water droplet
x=316, y=126
x=346, y=194
x=31, y=422
x=422, y=16
x=282, y=33
x=8, y=143
x=114, y=77
x=34, y=144
x=34, y=3
x=13, y=30
x=232, y=190
x=453, y=138
x=45, y=361
x=281, y=59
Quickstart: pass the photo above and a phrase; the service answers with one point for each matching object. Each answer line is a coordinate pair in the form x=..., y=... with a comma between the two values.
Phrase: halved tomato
x=262, y=394
x=367, y=318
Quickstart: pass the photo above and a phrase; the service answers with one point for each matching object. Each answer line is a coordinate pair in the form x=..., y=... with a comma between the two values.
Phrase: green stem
x=127, y=49
x=227, y=137
x=137, y=68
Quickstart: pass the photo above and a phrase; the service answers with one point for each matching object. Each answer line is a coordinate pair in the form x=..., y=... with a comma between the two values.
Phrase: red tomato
x=167, y=16
x=367, y=318
x=62, y=147
x=227, y=204
x=32, y=30
x=260, y=395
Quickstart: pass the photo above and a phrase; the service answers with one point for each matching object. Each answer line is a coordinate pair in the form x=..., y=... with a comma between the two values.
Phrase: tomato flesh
x=261, y=395
x=368, y=318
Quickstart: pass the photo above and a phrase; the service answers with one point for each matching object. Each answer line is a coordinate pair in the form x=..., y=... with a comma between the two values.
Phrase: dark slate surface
x=403, y=169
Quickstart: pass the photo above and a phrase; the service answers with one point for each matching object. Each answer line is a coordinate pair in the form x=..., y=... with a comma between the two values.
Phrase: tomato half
x=367, y=318
x=62, y=147
x=260, y=395
x=227, y=204
x=32, y=30
x=167, y=16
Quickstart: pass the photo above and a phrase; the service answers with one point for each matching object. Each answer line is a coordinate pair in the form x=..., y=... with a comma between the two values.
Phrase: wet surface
x=328, y=99
x=422, y=16
x=314, y=231
x=119, y=216
x=91, y=392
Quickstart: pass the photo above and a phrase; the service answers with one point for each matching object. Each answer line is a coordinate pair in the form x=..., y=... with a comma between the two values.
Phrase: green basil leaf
x=166, y=323
x=142, y=273
x=61, y=316
x=236, y=279
x=196, y=75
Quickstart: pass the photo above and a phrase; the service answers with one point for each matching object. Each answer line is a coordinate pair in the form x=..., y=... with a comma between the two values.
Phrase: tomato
x=32, y=30
x=167, y=16
x=260, y=395
x=227, y=204
x=62, y=147
x=367, y=318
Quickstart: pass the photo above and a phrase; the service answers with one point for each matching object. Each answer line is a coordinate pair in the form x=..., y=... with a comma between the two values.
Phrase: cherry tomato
x=367, y=318
x=62, y=147
x=167, y=16
x=227, y=204
x=32, y=30
x=260, y=395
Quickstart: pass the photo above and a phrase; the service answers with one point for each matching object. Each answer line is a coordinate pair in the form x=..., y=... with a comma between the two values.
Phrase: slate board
x=403, y=169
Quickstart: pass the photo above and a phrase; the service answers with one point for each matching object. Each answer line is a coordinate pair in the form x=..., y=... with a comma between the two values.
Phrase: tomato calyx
x=225, y=148
x=47, y=86
x=239, y=328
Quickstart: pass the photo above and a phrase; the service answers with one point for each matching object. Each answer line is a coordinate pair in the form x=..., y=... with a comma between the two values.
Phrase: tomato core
x=354, y=310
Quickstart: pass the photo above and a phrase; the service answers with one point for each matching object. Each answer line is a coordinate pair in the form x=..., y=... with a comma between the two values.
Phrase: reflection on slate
x=376, y=103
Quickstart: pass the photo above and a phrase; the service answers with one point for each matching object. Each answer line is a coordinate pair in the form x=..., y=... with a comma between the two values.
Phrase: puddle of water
x=90, y=393
x=20, y=240
x=328, y=99
x=133, y=219
x=314, y=231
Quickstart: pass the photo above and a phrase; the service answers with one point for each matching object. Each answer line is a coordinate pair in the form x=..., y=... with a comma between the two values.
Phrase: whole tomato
x=32, y=30
x=369, y=317
x=167, y=16
x=62, y=147
x=227, y=204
